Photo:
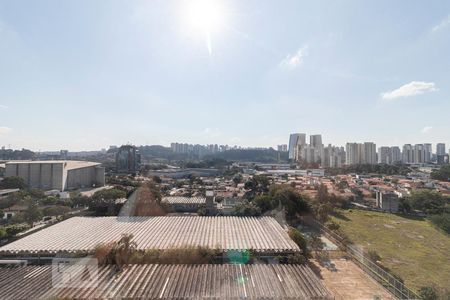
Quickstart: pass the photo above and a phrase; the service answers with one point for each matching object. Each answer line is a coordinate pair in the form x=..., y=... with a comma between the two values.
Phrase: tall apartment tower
x=440, y=149
x=369, y=153
x=384, y=155
x=315, y=140
x=408, y=154
x=396, y=155
x=296, y=140
x=428, y=152
x=352, y=154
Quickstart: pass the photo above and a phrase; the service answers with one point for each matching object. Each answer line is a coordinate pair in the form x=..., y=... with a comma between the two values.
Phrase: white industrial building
x=57, y=175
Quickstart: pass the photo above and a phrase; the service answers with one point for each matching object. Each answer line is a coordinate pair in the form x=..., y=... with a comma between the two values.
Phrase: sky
x=87, y=74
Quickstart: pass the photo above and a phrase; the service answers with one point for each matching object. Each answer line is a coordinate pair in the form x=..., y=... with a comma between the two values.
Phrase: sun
x=206, y=17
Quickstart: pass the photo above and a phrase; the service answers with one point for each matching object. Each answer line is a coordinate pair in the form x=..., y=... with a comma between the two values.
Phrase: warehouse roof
x=184, y=200
x=261, y=234
x=68, y=164
x=171, y=282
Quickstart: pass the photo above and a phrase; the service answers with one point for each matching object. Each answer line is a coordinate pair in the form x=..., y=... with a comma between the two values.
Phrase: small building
x=58, y=175
x=387, y=201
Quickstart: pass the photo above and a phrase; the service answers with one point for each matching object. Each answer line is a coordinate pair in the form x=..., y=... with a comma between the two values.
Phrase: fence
x=391, y=283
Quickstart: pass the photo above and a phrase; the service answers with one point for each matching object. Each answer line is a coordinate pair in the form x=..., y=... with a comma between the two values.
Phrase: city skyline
x=84, y=75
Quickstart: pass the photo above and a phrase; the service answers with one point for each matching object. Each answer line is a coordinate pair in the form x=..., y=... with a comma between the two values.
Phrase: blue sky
x=88, y=74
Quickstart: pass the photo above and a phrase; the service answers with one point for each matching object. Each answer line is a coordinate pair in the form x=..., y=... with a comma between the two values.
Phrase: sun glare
x=206, y=17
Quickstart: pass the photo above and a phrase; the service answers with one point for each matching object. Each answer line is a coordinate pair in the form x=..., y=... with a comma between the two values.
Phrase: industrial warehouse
x=58, y=174
x=262, y=235
x=171, y=282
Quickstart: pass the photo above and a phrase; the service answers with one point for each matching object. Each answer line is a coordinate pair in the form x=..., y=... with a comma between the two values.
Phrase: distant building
x=440, y=149
x=408, y=154
x=384, y=155
x=128, y=159
x=57, y=175
x=295, y=140
x=387, y=201
x=396, y=155
x=361, y=153
x=282, y=148
x=443, y=159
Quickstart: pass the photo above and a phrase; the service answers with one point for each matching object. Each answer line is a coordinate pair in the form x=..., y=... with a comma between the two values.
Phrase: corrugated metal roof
x=184, y=200
x=262, y=234
x=171, y=282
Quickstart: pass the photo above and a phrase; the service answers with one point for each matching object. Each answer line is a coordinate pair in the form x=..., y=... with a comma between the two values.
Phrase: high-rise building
x=315, y=140
x=369, y=153
x=428, y=153
x=282, y=148
x=396, y=155
x=419, y=154
x=332, y=157
x=408, y=154
x=352, y=154
x=296, y=140
x=128, y=159
x=364, y=153
x=384, y=155
x=440, y=149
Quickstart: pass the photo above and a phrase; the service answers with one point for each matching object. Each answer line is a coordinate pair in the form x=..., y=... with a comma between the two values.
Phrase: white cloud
x=4, y=130
x=426, y=129
x=293, y=61
x=444, y=23
x=3, y=106
x=411, y=89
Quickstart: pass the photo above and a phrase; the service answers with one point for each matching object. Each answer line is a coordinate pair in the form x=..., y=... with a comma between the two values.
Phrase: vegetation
x=442, y=174
x=9, y=231
x=13, y=182
x=299, y=239
x=246, y=208
x=410, y=247
x=103, y=202
x=124, y=252
x=442, y=221
x=148, y=201
x=428, y=201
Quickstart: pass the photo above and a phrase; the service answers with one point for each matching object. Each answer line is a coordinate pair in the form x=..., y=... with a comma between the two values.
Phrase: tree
x=293, y=202
x=13, y=182
x=428, y=293
x=442, y=174
x=124, y=250
x=431, y=202
x=246, y=208
x=237, y=179
x=32, y=213
x=316, y=242
x=299, y=239
x=442, y=221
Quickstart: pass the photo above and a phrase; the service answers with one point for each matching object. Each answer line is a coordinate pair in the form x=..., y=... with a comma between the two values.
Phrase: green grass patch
x=411, y=247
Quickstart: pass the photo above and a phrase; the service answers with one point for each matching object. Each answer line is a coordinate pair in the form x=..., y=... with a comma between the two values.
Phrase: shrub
x=442, y=221
x=299, y=239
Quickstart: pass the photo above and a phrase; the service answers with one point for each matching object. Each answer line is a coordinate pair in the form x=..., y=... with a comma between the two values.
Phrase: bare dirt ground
x=347, y=281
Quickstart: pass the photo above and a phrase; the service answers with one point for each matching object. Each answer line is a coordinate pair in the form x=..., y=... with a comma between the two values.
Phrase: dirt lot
x=347, y=281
